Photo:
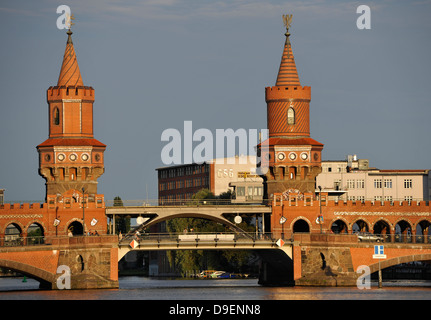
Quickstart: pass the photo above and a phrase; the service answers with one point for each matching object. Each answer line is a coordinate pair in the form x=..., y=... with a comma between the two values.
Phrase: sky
x=155, y=64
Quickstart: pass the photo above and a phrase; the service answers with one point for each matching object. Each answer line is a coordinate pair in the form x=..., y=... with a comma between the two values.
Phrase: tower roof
x=287, y=74
x=69, y=73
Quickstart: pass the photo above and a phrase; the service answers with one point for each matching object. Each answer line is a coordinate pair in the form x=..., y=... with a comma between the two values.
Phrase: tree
x=192, y=260
x=122, y=223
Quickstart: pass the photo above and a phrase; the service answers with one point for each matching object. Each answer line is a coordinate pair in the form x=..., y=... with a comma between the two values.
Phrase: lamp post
x=320, y=207
x=83, y=211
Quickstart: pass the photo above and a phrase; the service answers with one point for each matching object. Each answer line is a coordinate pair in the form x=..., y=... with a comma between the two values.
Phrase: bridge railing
x=56, y=240
x=197, y=236
x=174, y=202
x=22, y=241
x=361, y=237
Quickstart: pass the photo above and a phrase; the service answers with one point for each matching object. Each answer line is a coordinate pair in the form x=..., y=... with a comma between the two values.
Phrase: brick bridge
x=306, y=258
x=92, y=261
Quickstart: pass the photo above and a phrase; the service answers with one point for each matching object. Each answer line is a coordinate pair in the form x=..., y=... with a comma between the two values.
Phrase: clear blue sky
x=155, y=64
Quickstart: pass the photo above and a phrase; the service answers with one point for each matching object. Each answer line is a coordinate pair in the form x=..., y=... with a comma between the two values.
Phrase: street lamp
x=83, y=211
x=320, y=206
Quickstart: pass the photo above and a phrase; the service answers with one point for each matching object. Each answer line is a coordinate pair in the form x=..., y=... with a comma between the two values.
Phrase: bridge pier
x=324, y=260
x=277, y=267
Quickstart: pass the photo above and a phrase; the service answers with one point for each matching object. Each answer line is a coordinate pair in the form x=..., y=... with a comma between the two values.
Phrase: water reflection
x=141, y=288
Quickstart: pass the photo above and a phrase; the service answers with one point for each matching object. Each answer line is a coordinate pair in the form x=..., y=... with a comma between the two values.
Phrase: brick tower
x=292, y=158
x=70, y=160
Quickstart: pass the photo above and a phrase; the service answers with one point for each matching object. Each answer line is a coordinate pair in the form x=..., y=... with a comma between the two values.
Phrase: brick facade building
x=177, y=184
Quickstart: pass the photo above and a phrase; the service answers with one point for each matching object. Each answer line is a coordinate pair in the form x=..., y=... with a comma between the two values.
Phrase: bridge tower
x=293, y=159
x=70, y=160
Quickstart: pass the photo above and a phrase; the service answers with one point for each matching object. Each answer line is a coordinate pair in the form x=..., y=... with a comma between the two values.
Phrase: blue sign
x=379, y=249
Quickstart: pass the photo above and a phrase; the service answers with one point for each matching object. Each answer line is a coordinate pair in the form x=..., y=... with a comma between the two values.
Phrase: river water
x=144, y=288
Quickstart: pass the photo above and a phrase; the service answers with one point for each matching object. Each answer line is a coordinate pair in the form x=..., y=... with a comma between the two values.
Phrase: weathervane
x=287, y=20
x=69, y=23
x=69, y=18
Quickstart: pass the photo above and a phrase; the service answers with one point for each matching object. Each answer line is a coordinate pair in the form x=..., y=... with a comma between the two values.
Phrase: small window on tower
x=56, y=116
x=290, y=116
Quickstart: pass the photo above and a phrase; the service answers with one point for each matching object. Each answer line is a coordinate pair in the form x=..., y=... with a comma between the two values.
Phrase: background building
x=353, y=179
x=179, y=183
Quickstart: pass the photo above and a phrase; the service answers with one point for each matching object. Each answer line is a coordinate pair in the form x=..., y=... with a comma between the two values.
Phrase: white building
x=353, y=179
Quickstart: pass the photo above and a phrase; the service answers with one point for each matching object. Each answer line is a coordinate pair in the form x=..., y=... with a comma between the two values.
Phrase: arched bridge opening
x=229, y=215
x=44, y=278
x=184, y=232
x=270, y=266
x=407, y=259
x=152, y=221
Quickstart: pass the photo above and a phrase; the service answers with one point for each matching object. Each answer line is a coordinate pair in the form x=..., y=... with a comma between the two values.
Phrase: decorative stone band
x=21, y=216
x=362, y=213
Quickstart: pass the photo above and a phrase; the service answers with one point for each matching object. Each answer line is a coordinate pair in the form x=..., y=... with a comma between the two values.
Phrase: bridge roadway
x=200, y=241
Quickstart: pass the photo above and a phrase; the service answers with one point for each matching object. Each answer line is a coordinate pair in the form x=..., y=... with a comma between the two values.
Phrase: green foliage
x=118, y=202
x=194, y=260
x=122, y=223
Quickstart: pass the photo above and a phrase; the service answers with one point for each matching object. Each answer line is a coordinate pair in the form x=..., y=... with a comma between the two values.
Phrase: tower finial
x=287, y=74
x=287, y=20
x=69, y=73
x=69, y=18
x=69, y=23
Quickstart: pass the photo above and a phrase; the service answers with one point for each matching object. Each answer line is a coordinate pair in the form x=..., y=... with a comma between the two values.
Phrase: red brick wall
x=44, y=214
x=349, y=212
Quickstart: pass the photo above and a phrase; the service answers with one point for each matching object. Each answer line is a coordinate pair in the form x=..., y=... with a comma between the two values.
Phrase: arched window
x=290, y=116
x=56, y=116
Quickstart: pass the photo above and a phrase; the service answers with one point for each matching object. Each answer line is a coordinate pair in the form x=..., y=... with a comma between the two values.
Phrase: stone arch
x=360, y=225
x=80, y=262
x=423, y=223
x=45, y=278
x=403, y=230
x=10, y=235
x=423, y=231
x=16, y=223
x=339, y=225
x=300, y=224
x=386, y=263
x=35, y=233
x=38, y=222
x=78, y=228
x=382, y=226
x=282, y=171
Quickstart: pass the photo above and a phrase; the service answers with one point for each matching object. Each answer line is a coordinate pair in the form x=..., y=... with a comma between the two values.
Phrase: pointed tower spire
x=287, y=74
x=293, y=159
x=70, y=160
x=69, y=73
